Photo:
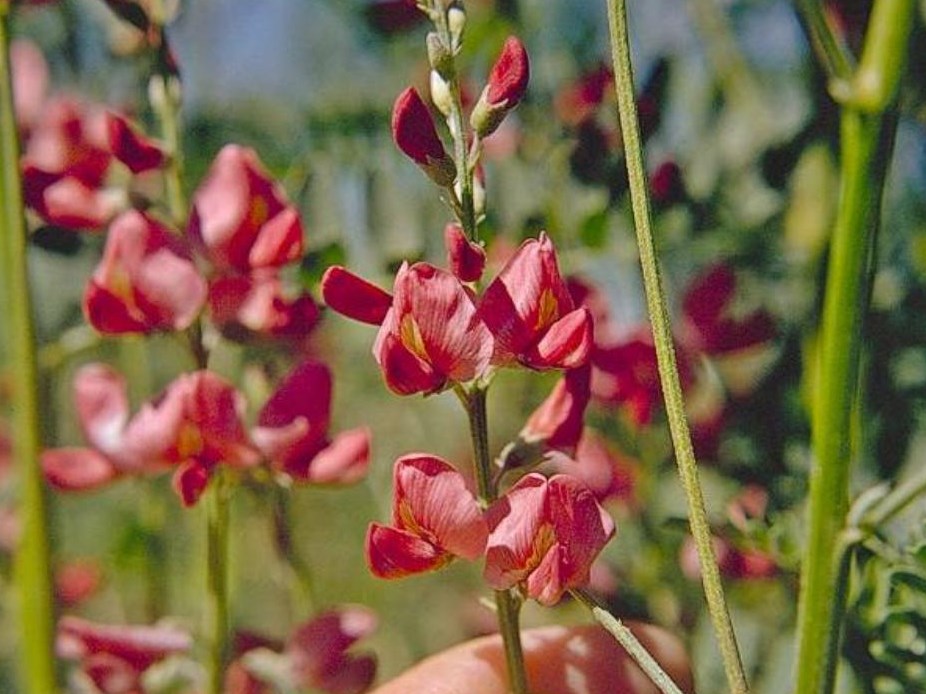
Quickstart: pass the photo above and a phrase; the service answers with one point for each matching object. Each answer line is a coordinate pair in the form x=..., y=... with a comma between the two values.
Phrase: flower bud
x=456, y=21
x=466, y=259
x=440, y=94
x=414, y=132
x=507, y=85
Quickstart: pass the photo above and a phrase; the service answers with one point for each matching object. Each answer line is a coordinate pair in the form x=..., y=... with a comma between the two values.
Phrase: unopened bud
x=466, y=259
x=439, y=55
x=456, y=22
x=440, y=94
x=414, y=132
x=506, y=87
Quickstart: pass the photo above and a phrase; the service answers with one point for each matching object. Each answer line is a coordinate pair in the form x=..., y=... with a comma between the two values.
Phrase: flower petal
x=77, y=469
x=566, y=344
x=344, y=461
x=101, y=400
x=354, y=297
x=396, y=553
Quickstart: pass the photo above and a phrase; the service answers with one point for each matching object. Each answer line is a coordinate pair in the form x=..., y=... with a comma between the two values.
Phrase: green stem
x=507, y=604
x=896, y=501
x=33, y=576
x=457, y=123
x=629, y=643
x=665, y=350
x=831, y=49
x=865, y=145
x=217, y=510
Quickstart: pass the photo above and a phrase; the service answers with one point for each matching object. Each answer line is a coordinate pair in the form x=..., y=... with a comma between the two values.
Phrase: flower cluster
x=197, y=424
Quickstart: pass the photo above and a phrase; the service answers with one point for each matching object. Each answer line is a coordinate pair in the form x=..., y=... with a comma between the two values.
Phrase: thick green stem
x=865, y=145
x=217, y=510
x=665, y=351
x=33, y=564
x=507, y=604
x=629, y=643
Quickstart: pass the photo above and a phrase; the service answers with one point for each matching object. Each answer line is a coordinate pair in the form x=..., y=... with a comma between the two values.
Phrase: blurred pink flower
x=146, y=281
x=531, y=315
x=292, y=431
x=558, y=422
x=319, y=653
x=114, y=657
x=138, y=152
x=241, y=219
x=435, y=518
x=77, y=581
x=544, y=535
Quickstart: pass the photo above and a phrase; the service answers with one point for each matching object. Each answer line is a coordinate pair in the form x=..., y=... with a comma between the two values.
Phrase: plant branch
x=629, y=643
x=831, y=49
x=33, y=576
x=665, y=351
x=866, y=140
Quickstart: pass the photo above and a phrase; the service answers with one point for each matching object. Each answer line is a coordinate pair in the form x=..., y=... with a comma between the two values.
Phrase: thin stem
x=896, y=501
x=831, y=49
x=629, y=643
x=298, y=569
x=33, y=563
x=665, y=351
x=217, y=518
x=866, y=140
x=467, y=211
x=507, y=604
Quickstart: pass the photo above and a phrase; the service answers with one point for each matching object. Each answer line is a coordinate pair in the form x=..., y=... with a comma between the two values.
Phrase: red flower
x=466, y=259
x=544, y=535
x=505, y=89
x=435, y=518
x=292, y=431
x=241, y=218
x=133, y=149
x=414, y=132
x=530, y=313
x=432, y=334
x=116, y=657
x=558, y=422
x=580, y=100
x=146, y=281
x=256, y=304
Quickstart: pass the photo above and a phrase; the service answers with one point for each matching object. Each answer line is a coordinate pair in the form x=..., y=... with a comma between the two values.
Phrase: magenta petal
x=566, y=344
x=466, y=259
x=352, y=675
x=318, y=652
x=354, y=297
x=344, y=461
x=395, y=553
x=515, y=521
x=77, y=469
x=140, y=646
x=279, y=242
x=405, y=373
x=137, y=152
x=189, y=482
x=431, y=499
x=510, y=74
x=558, y=422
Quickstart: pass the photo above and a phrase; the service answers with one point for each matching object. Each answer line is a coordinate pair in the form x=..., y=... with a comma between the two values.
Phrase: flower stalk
x=867, y=131
x=33, y=564
x=508, y=605
x=665, y=351
x=217, y=519
x=629, y=643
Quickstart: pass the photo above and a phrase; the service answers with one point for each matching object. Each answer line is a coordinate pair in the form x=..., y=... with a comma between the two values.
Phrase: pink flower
x=505, y=89
x=465, y=258
x=432, y=334
x=258, y=304
x=603, y=469
x=435, y=518
x=579, y=101
x=146, y=281
x=414, y=132
x=543, y=537
x=241, y=218
x=319, y=656
x=558, y=422
x=114, y=657
x=133, y=149
x=735, y=563
x=76, y=581
x=531, y=314
x=292, y=431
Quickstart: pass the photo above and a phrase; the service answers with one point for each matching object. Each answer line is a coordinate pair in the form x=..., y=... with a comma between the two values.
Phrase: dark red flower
x=414, y=132
x=319, y=654
x=506, y=87
x=133, y=149
x=434, y=519
x=354, y=297
x=558, y=422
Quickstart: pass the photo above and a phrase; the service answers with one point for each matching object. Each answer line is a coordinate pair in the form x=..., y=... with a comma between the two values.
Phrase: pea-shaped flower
x=435, y=518
x=544, y=535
